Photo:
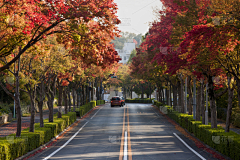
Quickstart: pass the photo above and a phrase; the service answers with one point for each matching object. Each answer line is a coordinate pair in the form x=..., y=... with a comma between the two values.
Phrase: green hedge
x=228, y=143
x=138, y=100
x=12, y=147
x=82, y=110
x=99, y=102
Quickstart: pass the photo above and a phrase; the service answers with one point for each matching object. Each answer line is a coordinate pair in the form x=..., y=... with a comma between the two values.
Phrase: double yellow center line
x=122, y=139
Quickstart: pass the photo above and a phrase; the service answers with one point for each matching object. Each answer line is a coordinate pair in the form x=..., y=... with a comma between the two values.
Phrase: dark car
x=116, y=101
x=123, y=101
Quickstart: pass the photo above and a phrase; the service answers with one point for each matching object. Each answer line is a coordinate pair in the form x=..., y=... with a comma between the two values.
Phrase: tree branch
x=6, y=90
x=221, y=93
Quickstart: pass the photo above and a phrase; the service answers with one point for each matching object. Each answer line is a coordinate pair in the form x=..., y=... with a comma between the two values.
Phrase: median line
x=125, y=147
x=122, y=139
x=129, y=138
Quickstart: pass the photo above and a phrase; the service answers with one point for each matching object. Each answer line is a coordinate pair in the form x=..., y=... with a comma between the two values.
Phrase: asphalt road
x=101, y=136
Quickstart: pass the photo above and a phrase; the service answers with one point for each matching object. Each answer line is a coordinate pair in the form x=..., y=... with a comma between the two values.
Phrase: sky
x=136, y=14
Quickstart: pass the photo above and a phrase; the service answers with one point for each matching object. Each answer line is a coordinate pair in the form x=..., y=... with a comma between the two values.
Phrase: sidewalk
x=232, y=128
x=11, y=127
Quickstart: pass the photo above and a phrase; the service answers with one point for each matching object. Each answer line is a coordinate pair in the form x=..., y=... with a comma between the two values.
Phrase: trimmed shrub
x=228, y=143
x=93, y=104
x=138, y=100
x=99, y=102
x=86, y=107
x=12, y=147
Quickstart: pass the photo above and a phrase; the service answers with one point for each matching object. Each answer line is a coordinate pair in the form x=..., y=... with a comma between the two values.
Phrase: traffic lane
x=152, y=136
x=99, y=139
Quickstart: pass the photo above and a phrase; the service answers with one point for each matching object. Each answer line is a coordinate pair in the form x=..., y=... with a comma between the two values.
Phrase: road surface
x=135, y=131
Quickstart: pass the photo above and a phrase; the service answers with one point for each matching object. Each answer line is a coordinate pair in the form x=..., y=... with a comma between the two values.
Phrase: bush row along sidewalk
x=12, y=147
x=138, y=100
x=227, y=143
x=11, y=127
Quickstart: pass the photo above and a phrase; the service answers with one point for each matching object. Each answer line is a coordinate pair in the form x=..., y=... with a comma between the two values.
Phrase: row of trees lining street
x=56, y=48
x=193, y=46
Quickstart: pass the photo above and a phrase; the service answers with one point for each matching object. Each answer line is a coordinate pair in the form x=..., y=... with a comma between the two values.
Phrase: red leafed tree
x=44, y=18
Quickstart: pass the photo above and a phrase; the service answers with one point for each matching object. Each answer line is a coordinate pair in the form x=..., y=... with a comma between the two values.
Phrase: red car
x=116, y=101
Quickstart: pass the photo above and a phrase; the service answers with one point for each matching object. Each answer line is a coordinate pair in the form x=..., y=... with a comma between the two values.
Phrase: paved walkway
x=11, y=127
x=232, y=128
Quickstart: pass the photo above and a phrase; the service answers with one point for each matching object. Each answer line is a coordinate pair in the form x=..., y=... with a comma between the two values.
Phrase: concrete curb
x=39, y=149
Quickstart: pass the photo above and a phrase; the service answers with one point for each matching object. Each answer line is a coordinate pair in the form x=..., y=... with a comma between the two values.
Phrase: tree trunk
x=17, y=100
x=92, y=92
x=31, y=93
x=87, y=94
x=202, y=103
x=18, y=107
x=182, y=95
x=229, y=109
x=212, y=103
x=78, y=99
x=238, y=90
x=41, y=97
x=163, y=96
x=160, y=95
x=40, y=107
x=131, y=92
x=179, y=107
x=174, y=96
x=101, y=94
x=74, y=98
x=189, y=87
x=198, y=106
x=65, y=100
x=167, y=95
x=32, y=119
x=83, y=95
x=97, y=89
x=60, y=95
x=69, y=99
x=142, y=92
x=51, y=92
x=170, y=95
x=19, y=115
x=50, y=108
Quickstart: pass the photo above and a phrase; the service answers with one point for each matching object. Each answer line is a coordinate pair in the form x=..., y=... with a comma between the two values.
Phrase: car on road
x=123, y=101
x=116, y=101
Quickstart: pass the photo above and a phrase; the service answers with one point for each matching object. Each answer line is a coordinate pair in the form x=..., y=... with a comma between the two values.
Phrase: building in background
x=126, y=51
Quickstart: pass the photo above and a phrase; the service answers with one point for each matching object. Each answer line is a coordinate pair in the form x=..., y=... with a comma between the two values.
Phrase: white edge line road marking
x=96, y=113
x=65, y=143
x=125, y=147
x=189, y=147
